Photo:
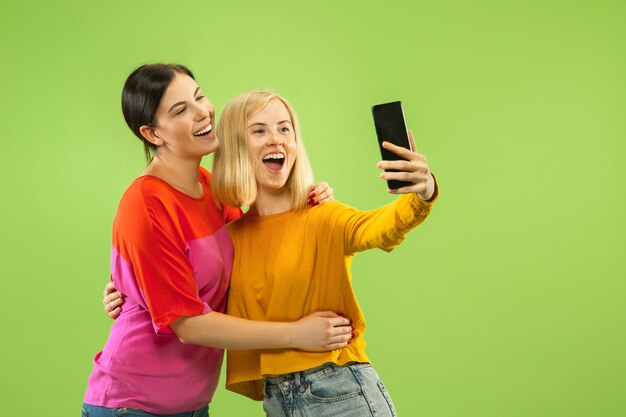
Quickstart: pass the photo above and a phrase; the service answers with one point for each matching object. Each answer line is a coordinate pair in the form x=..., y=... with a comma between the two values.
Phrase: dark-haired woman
x=172, y=256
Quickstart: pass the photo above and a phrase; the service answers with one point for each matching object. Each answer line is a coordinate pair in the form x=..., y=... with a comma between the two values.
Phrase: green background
x=510, y=299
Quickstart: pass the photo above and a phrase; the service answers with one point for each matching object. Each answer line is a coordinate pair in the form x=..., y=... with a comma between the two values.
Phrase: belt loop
x=303, y=381
x=297, y=380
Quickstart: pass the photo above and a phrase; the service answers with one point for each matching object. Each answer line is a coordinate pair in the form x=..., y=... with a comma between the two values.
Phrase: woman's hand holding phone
x=414, y=170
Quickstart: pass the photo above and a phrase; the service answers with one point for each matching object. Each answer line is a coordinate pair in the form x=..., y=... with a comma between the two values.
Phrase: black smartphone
x=391, y=127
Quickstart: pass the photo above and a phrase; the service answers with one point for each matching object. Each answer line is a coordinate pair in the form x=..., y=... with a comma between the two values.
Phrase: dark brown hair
x=142, y=94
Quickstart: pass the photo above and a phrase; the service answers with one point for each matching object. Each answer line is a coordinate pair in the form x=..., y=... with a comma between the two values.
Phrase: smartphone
x=391, y=127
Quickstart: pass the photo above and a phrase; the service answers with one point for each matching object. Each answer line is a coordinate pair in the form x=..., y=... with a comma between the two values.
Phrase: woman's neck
x=272, y=201
x=181, y=174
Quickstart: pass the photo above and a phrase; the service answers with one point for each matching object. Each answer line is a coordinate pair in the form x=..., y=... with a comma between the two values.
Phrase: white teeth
x=274, y=156
x=204, y=131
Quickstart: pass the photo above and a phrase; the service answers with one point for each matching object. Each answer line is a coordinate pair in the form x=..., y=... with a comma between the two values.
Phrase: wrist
x=430, y=191
x=425, y=196
x=291, y=335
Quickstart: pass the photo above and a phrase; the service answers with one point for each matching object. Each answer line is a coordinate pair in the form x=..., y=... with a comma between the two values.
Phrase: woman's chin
x=273, y=184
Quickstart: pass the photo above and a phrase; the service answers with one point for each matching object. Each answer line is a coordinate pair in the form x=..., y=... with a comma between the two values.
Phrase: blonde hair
x=233, y=180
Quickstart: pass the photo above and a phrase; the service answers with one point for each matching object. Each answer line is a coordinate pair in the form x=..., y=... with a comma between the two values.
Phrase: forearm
x=386, y=226
x=222, y=331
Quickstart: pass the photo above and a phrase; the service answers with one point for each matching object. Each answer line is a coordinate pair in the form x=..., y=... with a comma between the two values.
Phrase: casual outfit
x=298, y=262
x=171, y=257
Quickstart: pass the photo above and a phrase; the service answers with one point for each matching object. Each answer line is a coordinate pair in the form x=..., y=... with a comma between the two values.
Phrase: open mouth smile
x=274, y=161
x=205, y=131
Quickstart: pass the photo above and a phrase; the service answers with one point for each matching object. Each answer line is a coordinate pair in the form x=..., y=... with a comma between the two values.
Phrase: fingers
x=325, y=196
x=415, y=188
x=415, y=177
x=339, y=322
x=112, y=301
x=335, y=319
x=342, y=332
x=414, y=169
x=108, y=289
x=412, y=141
x=399, y=150
x=412, y=166
x=331, y=331
x=318, y=188
x=331, y=315
x=320, y=194
x=338, y=345
x=413, y=161
x=341, y=340
x=111, y=297
x=113, y=308
x=418, y=177
x=424, y=189
x=114, y=313
x=113, y=304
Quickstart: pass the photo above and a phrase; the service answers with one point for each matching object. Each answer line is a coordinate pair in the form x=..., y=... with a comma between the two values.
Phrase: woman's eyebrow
x=178, y=103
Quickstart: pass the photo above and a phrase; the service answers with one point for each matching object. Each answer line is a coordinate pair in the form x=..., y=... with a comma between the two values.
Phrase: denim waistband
x=311, y=374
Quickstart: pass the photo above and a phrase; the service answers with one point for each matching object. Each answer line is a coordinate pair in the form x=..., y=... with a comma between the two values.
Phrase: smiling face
x=184, y=121
x=272, y=145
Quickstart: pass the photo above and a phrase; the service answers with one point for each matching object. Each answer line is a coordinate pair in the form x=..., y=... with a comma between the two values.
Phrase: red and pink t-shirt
x=171, y=257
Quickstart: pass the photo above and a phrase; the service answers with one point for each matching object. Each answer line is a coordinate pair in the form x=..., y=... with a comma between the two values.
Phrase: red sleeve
x=231, y=214
x=150, y=240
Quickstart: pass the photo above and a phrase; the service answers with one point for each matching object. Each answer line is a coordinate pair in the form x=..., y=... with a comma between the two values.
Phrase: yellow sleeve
x=385, y=227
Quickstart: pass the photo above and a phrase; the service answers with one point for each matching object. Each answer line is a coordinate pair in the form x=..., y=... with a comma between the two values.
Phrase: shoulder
x=331, y=209
x=329, y=214
x=146, y=199
x=147, y=188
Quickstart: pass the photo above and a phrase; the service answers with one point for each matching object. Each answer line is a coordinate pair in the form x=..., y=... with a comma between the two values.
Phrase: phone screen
x=391, y=127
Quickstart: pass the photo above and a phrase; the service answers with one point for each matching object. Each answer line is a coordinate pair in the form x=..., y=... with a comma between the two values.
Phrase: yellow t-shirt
x=291, y=264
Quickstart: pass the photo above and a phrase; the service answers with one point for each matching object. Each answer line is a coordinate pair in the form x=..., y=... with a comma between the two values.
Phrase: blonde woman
x=291, y=260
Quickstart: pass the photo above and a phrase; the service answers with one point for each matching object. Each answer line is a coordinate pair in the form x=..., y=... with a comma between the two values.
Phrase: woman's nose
x=202, y=111
x=274, y=138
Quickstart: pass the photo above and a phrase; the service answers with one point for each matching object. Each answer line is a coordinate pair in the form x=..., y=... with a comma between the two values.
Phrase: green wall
x=509, y=301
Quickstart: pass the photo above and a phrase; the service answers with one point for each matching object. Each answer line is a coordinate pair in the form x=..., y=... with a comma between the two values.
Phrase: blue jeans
x=351, y=390
x=96, y=411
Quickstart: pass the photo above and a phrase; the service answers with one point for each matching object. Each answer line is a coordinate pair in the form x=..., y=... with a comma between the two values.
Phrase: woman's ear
x=151, y=135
